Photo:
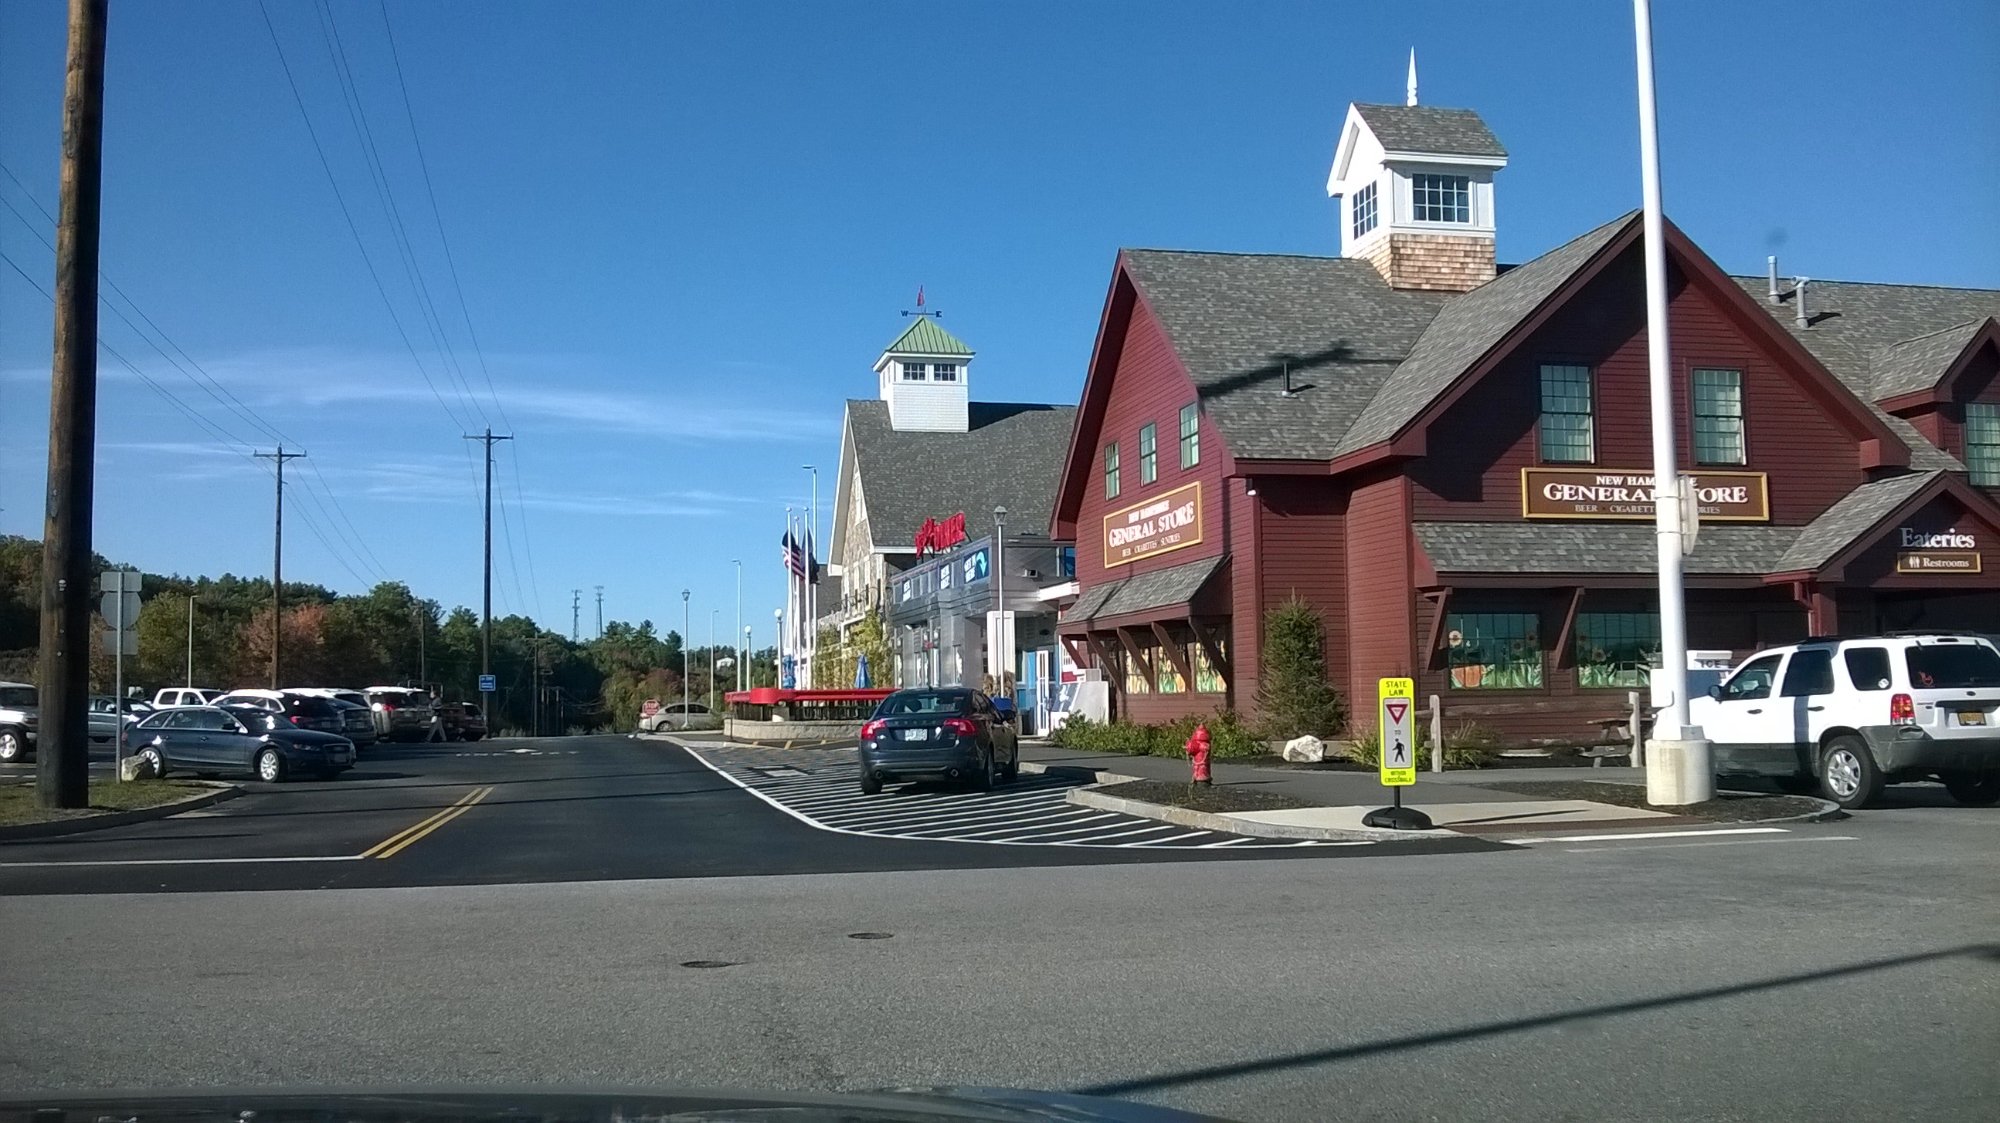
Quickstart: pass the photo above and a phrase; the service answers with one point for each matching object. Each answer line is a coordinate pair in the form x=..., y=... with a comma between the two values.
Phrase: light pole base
x=1679, y=772
x=1398, y=818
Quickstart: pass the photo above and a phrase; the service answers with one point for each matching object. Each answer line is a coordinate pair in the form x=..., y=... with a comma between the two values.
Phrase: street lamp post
x=743, y=679
x=1003, y=649
x=812, y=583
x=741, y=670
x=778, y=650
x=711, y=659
x=686, y=631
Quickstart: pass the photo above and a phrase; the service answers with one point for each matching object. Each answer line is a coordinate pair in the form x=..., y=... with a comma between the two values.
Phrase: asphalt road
x=1848, y=970
x=565, y=809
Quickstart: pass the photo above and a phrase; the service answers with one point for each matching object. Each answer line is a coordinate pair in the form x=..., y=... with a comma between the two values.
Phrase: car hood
x=910, y=1105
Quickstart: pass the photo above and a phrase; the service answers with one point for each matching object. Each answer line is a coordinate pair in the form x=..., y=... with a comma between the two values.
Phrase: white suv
x=1859, y=713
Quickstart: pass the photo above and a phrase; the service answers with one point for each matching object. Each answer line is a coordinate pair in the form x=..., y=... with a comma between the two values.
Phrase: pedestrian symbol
x=1397, y=699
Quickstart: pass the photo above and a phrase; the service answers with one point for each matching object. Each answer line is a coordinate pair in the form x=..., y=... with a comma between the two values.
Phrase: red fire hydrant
x=1197, y=750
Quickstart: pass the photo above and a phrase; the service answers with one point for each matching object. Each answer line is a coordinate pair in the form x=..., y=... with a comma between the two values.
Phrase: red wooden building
x=1451, y=460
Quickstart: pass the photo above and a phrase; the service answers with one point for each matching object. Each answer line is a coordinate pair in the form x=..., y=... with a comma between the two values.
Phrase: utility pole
x=62, y=768
x=600, y=612
x=685, y=631
x=486, y=594
x=278, y=558
x=575, y=613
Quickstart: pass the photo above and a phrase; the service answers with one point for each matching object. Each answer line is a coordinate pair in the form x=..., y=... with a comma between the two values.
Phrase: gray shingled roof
x=1237, y=321
x=1854, y=515
x=1011, y=456
x=1175, y=585
x=1430, y=128
x=1578, y=547
x=1917, y=364
x=1855, y=325
x=1466, y=328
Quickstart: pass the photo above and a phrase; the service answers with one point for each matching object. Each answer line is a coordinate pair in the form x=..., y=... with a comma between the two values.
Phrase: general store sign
x=1946, y=551
x=1595, y=493
x=1156, y=526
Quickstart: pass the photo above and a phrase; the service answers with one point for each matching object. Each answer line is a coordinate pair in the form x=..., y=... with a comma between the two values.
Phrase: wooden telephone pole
x=486, y=595
x=62, y=770
x=278, y=559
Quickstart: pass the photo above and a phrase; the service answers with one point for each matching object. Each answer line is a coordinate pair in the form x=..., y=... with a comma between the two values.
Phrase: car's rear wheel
x=270, y=766
x=151, y=762
x=870, y=783
x=12, y=746
x=988, y=776
x=1973, y=789
x=1847, y=772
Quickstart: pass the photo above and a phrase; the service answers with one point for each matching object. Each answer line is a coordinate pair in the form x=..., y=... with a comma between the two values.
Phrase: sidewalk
x=1454, y=800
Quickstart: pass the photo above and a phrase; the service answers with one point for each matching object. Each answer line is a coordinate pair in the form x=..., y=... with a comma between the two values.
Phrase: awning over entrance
x=1174, y=617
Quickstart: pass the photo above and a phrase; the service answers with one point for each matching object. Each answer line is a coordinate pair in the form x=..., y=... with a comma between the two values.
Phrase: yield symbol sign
x=1396, y=711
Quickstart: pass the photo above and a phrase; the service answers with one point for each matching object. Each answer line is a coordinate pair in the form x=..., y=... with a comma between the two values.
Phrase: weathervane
x=921, y=310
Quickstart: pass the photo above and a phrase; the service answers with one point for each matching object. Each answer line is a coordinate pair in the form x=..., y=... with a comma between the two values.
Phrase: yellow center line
x=400, y=839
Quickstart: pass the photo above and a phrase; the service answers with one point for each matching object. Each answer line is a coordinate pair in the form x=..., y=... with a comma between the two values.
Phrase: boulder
x=136, y=768
x=1305, y=750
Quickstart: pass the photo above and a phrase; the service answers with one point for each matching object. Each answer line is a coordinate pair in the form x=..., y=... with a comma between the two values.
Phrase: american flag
x=795, y=555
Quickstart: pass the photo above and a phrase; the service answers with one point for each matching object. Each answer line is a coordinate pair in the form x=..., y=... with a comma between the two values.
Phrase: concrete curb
x=81, y=824
x=1828, y=810
x=1210, y=821
x=1037, y=768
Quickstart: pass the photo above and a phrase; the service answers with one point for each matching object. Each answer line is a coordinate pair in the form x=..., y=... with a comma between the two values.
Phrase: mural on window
x=1493, y=650
x=1134, y=675
x=1207, y=676
x=1166, y=677
x=1616, y=648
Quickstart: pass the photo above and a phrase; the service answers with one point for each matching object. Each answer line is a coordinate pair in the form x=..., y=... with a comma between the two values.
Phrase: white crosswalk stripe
x=823, y=787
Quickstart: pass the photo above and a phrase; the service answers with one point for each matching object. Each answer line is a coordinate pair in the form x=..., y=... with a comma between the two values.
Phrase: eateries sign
x=1596, y=493
x=1948, y=551
x=1156, y=526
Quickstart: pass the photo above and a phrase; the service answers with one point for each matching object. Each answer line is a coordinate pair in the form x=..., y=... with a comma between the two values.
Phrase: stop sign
x=649, y=707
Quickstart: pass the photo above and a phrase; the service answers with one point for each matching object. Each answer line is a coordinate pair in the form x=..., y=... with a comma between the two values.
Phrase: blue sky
x=684, y=232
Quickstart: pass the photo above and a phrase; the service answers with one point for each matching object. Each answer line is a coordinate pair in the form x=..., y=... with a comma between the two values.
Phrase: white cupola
x=1418, y=186
x=923, y=378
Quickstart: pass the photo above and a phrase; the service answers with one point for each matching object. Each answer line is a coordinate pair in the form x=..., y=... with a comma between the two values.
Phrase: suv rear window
x=311, y=707
x=1936, y=665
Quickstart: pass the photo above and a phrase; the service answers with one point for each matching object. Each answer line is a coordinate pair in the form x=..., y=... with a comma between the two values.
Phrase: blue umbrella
x=861, y=673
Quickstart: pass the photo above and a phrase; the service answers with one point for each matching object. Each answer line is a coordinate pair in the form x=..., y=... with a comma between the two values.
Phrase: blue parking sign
x=488, y=683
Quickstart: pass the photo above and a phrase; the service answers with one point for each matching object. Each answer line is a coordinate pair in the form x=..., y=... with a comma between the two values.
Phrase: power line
x=346, y=214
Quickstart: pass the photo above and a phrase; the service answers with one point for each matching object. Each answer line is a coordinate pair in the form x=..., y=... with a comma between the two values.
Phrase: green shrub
x=1294, y=697
x=1466, y=745
x=1228, y=736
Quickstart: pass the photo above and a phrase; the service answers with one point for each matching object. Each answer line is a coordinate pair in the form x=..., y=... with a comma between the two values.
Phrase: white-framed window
x=1111, y=470
x=1149, y=454
x=913, y=372
x=1718, y=416
x=1364, y=210
x=1982, y=443
x=1440, y=198
x=1190, y=435
x=1569, y=430
x=944, y=372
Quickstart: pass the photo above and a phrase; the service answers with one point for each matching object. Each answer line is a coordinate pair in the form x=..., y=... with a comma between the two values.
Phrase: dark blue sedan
x=202, y=739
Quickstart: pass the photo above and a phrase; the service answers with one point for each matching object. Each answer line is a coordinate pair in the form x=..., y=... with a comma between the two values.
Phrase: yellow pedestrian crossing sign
x=1396, y=718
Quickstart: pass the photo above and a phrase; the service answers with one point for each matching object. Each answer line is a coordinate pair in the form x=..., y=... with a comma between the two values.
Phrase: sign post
x=120, y=608
x=1396, y=716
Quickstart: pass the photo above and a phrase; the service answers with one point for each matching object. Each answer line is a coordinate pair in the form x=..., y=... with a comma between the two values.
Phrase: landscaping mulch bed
x=1217, y=797
x=18, y=806
x=1725, y=808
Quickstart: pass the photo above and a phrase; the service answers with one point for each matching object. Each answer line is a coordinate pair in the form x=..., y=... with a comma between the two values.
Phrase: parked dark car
x=940, y=733
x=462, y=721
x=103, y=716
x=237, y=739
x=357, y=718
x=305, y=711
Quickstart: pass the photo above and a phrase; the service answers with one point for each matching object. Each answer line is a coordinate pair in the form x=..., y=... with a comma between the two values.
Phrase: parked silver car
x=402, y=713
x=20, y=718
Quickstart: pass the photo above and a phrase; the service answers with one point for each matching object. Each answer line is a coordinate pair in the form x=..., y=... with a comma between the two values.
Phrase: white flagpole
x=791, y=591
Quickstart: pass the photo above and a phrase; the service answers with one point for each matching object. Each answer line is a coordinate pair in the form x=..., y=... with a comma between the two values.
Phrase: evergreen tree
x=1294, y=697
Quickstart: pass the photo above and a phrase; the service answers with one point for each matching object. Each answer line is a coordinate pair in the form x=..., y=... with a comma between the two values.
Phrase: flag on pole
x=920, y=296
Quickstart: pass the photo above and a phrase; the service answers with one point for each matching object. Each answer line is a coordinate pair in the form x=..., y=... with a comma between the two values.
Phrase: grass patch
x=1730, y=807
x=1216, y=797
x=18, y=806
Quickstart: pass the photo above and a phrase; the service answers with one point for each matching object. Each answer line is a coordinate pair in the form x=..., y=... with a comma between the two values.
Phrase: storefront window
x=1207, y=676
x=1494, y=650
x=1135, y=675
x=1616, y=648
x=1982, y=443
x=1166, y=676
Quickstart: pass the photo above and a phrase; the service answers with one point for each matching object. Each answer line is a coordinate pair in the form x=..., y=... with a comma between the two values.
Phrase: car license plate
x=916, y=734
x=1972, y=717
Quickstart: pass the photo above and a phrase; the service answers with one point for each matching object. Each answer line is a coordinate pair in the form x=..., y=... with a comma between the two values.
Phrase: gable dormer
x=1418, y=185
x=923, y=377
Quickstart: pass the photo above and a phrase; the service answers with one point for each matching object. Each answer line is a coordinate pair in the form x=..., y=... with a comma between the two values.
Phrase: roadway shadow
x=499, y=802
x=1989, y=954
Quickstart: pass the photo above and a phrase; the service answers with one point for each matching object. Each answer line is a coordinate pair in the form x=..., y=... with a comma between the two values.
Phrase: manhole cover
x=871, y=935
x=703, y=963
